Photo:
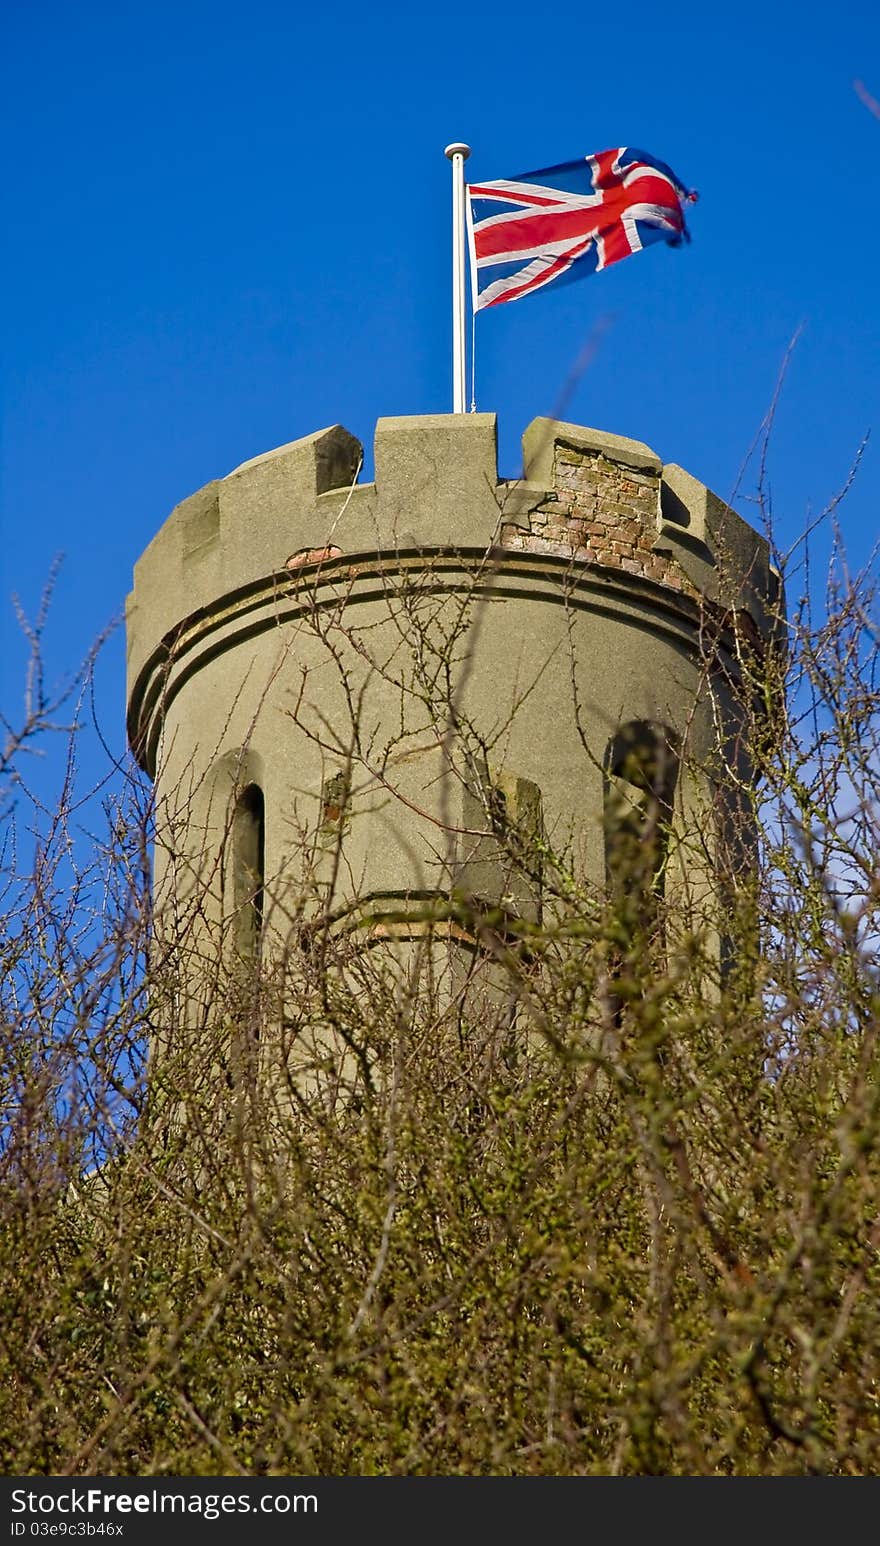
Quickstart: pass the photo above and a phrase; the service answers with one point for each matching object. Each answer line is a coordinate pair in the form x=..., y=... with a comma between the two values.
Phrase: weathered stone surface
x=274, y=600
x=437, y=477
x=641, y=518
x=606, y=488
x=544, y=436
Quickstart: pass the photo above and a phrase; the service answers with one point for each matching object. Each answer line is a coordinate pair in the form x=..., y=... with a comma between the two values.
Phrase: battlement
x=588, y=501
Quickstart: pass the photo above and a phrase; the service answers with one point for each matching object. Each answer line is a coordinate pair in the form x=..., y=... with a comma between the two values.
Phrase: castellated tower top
x=600, y=506
x=383, y=703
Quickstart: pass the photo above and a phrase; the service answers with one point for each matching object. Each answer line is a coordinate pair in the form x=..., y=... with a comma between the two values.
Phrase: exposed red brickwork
x=600, y=513
x=312, y=556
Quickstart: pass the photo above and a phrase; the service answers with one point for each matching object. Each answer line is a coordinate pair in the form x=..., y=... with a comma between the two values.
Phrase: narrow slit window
x=249, y=879
x=641, y=771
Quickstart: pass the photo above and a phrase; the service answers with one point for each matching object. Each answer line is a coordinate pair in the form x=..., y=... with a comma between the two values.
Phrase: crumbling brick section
x=599, y=512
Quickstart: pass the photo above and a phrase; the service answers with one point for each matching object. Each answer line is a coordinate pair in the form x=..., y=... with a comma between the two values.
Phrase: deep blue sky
x=228, y=226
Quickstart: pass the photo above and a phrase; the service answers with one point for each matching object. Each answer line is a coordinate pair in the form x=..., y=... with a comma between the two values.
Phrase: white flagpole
x=458, y=155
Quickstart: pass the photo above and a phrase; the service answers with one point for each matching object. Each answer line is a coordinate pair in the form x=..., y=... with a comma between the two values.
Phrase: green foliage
x=607, y=1204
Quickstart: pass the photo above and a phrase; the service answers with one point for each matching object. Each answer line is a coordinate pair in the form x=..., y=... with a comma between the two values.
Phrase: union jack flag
x=569, y=220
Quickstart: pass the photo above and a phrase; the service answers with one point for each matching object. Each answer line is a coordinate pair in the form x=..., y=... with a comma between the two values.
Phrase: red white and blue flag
x=569, y=220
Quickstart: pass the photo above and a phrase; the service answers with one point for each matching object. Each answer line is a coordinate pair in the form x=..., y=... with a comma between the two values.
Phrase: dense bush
x=619, y=1212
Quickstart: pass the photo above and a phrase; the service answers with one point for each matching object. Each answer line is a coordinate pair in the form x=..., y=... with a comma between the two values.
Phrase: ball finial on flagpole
x=458, y=154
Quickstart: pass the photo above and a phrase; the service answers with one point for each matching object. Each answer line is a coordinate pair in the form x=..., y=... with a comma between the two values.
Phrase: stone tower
x=338, y=686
